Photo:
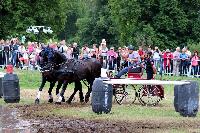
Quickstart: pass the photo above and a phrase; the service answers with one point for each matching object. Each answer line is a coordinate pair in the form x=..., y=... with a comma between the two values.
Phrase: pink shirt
x=112, y=53
x=195, y=60
x=30, y=49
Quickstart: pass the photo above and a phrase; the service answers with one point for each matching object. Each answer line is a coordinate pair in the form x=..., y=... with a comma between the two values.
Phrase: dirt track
x=57, y=124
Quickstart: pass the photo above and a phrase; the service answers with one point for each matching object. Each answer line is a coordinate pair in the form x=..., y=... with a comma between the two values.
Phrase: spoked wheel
x=131, y=94
x=124, y=93
x=119, y=93
x=150, y=95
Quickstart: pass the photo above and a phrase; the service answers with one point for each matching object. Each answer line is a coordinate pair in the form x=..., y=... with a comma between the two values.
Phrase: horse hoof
x=58, y=103
x=63, y=99
x=86, y=99
x=68, y=102
x=81, y=100
x=37, y=101
x=50, y=100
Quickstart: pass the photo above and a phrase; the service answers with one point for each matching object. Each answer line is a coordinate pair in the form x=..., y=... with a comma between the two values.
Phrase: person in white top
x=68, y=52
x=85, y=52
x=62, y=47
x=156, y=57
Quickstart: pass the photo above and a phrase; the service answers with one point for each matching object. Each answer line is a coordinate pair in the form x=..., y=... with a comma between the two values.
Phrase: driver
x=133, y=61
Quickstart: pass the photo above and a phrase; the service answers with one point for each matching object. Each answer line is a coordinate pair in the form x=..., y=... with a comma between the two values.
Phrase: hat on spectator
x=167, y=50
x=111, y=48
x=130, y=47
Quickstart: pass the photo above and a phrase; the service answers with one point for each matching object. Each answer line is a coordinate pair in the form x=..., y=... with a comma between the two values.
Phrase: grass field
x=163, y=113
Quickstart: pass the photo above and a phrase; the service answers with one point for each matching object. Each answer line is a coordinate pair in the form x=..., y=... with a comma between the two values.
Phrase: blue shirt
x=133, y=55
x=184, y=56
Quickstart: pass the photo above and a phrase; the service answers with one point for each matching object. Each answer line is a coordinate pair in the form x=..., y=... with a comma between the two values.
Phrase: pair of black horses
x=55, y=67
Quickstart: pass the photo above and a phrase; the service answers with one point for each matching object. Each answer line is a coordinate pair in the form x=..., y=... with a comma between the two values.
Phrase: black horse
x=70, y=70
x=47, y=77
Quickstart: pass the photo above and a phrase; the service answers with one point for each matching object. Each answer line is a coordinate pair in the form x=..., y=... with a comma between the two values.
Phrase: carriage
x=149, y=95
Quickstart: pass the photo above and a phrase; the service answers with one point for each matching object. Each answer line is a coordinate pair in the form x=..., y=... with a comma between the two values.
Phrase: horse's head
x=51, y=59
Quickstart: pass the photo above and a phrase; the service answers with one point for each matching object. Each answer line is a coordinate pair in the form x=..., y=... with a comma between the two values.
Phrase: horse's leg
x=52, y=84
x=78, y=86
x=87, y=95
x=58, y=88
x=62, y=93
x=80, y=92
x=37, y=100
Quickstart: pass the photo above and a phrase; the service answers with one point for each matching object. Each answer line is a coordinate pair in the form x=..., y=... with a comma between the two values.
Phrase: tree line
x=161, y=23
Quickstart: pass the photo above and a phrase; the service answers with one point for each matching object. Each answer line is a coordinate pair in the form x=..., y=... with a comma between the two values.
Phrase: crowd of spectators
x=180, y=62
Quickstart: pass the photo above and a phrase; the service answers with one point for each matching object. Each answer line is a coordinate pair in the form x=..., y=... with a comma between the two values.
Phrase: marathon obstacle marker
x=186, y=99
x=101, y=96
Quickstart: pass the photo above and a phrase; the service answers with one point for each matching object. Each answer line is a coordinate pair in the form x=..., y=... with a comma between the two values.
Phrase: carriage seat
x=135, y=72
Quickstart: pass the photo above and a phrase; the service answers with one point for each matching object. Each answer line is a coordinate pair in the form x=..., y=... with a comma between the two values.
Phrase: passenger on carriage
x=149, y=66
x=133, y=61
x=112, y=56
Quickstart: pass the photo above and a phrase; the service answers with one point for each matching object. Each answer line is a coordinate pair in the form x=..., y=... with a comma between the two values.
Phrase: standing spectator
x=1, y=53
x=167, y=56
x=62, y=47
x=75, y=52
x=141, y=52
x=184, y=58
x=93, y=53
x=156, y=57
x=176, y=61
x=68, y=52
x=6, y=52
x=30, y=47
x=15, y=53
x=21, y=50
x=119, y=58
x=103, y=53
x=112, y=56
x=194, y=62
x=94, y=46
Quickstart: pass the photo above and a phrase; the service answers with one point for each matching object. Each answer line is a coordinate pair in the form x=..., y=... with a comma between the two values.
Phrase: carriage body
x=146, y=94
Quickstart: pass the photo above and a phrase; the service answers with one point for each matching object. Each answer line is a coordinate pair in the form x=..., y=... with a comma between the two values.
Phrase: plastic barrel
x=186, y=99
x=11, y=89
x=101, y=96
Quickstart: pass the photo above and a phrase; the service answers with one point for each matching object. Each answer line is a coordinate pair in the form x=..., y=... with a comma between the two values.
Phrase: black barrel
x=101, y=96
x=186, y=99
x=11, y=89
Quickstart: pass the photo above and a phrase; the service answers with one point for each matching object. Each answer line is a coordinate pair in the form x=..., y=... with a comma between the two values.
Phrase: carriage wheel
x=125, y=93
x=119, y=93
x=131, y=93
x=150, y=95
